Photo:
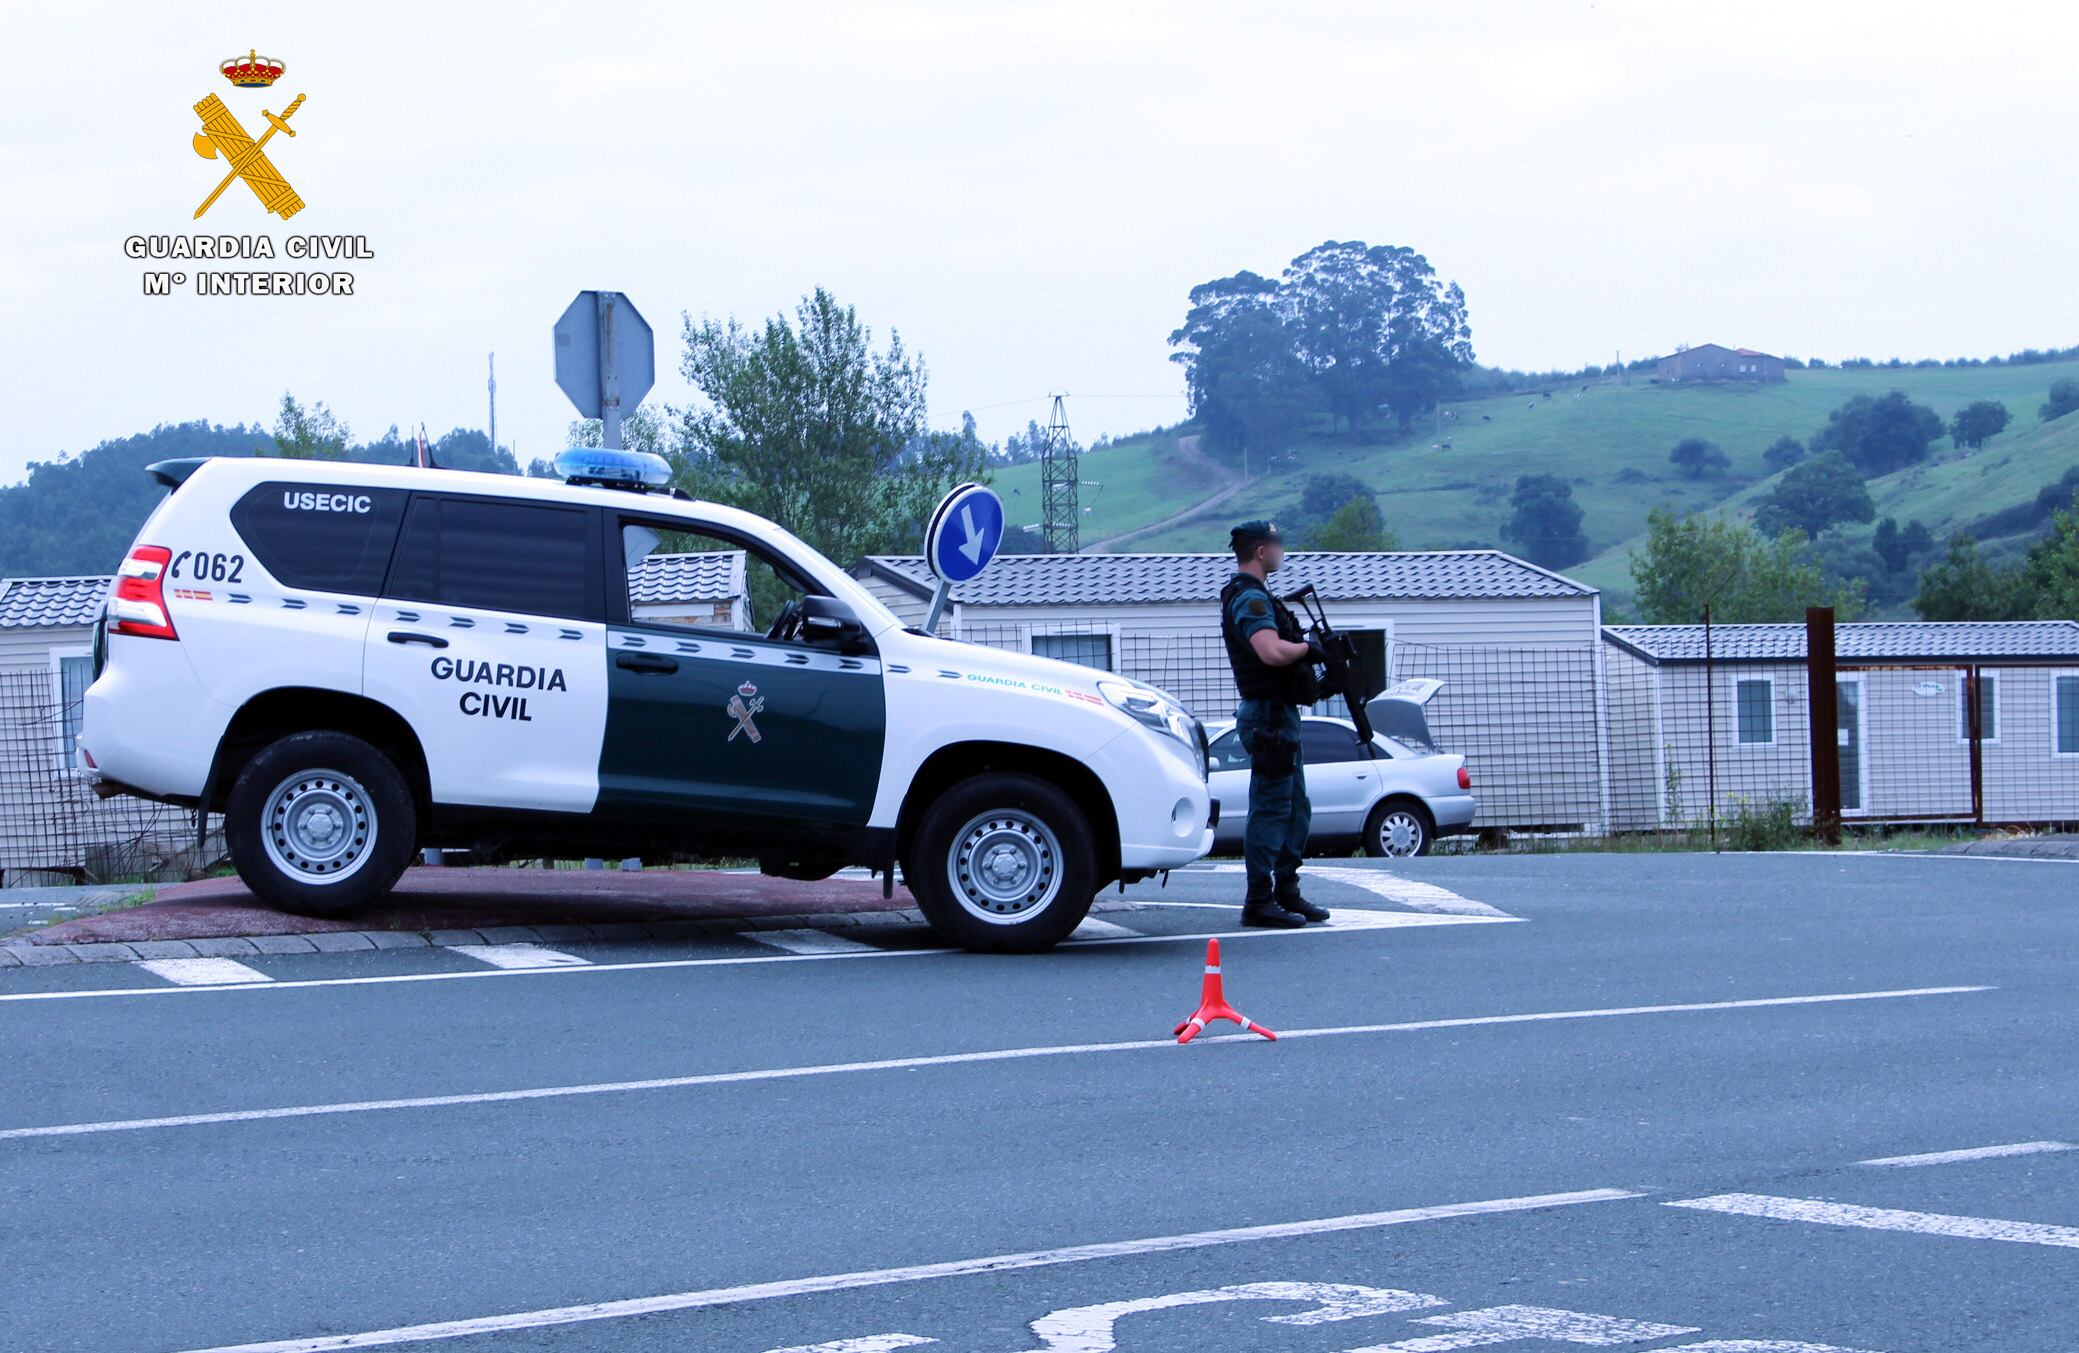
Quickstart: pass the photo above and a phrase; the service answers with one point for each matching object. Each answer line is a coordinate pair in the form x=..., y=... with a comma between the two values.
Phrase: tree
x=806, y=423
x=2064, y=397
x=1245, y=383
x=312, y=434
x=1698, y=458
x=2052, y=569
x=1320, y=495
x=1545, y=527
x=1689, y=562
x=1965, y=585
x=1783, y=453
x=1899, y=548
x=1879, y=435
x=1375, y=327
x=1356, y=525
x=1977, y=423
x=1815, y=495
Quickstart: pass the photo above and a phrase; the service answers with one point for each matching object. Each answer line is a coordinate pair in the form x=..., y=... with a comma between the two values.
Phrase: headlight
x=1158, y=712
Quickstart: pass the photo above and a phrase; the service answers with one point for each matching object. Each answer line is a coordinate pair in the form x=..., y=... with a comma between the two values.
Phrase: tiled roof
x=34, y=603
x=663, y=578
x=1897, y=641
x=1129, y=579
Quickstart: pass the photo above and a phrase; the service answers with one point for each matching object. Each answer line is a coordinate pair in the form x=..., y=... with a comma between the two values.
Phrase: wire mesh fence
x=51, y=822
x=1565, y=741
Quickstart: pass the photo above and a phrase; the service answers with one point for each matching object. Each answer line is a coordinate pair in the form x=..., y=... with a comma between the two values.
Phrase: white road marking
x=872, y=1343
x=940, y=1059
x=1406, y=892
x=808, y=942
x=1973, y=1153
x=839, y=1282
x=648, y=965
x=1091, y=1329
x=518, y=957
x=1507, y=1324
x=202, y=972
x=1886, y=1219
x=1760, y=1346
x=1091, y=928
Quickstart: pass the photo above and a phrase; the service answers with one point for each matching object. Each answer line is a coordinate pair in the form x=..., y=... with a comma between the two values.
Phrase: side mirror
x=830, y=622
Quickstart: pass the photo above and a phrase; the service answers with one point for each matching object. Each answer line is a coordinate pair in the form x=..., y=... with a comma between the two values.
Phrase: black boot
x=1260, y=909
x=1287, y=896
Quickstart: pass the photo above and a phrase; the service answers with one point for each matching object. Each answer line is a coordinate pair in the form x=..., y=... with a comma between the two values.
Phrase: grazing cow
x=1487, y=418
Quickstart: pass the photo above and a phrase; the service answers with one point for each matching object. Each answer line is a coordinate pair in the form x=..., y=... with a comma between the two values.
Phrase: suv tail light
x=1465, y=778
x=139, y=607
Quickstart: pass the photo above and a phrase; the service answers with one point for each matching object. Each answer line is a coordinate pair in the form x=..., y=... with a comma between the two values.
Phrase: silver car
x=1395, y=799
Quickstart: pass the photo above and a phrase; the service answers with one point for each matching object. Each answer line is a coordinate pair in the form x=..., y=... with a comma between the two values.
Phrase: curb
x=24, y=954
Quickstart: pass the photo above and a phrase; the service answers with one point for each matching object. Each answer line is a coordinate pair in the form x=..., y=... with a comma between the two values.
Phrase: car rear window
x=498, y=556
x=327, y=537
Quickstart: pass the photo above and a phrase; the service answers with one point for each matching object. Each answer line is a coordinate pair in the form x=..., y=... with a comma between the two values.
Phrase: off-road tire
x=1004, y=863
x=320, y=824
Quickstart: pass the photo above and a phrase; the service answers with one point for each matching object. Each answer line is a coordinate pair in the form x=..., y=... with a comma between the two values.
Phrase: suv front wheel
x=320, y=824
x=1003, y=862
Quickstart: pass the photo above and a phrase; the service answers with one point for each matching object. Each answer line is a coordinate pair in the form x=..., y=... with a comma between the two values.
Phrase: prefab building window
x=2064, y=713
x=1988, y=708
x=1087, y=650
x=1756, y=702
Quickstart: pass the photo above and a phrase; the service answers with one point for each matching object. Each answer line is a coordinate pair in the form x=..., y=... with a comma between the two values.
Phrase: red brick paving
x=458, y=899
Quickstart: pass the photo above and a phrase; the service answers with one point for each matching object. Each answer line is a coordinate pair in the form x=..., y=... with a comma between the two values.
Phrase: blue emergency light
x=601, y=467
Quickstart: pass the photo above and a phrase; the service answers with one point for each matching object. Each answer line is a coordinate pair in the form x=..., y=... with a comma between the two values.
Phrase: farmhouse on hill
x=1715, y=362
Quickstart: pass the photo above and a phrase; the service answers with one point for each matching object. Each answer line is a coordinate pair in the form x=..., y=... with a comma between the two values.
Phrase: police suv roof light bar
x=601, y=467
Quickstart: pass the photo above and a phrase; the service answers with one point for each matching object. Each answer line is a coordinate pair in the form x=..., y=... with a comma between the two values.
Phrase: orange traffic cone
x=1212, y=1003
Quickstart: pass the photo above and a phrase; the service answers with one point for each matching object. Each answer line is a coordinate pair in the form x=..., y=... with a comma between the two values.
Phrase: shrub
x=1765, y=824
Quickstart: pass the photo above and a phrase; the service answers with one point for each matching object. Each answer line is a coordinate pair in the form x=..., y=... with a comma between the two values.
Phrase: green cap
x=1254, y=532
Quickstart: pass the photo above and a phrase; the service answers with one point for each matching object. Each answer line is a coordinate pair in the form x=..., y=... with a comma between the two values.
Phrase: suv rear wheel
x=1004, y=863
x=320, y=823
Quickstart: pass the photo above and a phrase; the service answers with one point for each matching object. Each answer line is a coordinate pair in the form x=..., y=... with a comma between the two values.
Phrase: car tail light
x=139, y=606
x=1465, y=778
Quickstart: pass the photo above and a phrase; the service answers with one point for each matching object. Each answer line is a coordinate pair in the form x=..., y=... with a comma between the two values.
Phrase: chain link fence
x=52, y=826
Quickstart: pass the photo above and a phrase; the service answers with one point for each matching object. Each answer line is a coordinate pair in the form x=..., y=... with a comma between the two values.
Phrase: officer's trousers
x=1279, y=813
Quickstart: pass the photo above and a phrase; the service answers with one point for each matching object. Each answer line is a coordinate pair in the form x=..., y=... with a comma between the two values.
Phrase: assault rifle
x=1342, y=671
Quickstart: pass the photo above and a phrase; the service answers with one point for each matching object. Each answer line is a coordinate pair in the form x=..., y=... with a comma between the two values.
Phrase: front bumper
x=1164, y=808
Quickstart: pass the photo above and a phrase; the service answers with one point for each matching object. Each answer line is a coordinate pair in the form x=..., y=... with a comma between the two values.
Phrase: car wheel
x=1004, y=863
x=1399, y=828
x=320, y=824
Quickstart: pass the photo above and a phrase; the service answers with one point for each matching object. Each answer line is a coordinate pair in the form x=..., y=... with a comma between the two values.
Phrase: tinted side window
x=1322, y=743
x=329, y=537
x=1227, y=752
x=499, y=556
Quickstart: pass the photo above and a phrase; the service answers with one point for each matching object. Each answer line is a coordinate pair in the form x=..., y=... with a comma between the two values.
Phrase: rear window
x=498, y=556
x=327, y=537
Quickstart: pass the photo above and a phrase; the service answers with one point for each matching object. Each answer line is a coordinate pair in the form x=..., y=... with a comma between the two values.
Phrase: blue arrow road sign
x=964, y=534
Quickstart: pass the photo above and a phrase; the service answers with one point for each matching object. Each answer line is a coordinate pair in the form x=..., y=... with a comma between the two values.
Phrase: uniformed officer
x=1273, y=663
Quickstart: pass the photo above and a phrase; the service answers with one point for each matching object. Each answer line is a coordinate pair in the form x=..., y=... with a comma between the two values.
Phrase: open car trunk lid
x=1397, y=711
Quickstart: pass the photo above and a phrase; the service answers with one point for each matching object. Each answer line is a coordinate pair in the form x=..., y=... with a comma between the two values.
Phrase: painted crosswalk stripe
x=958, y=1268
x=808, y=941
x=1821, y=1213
x=1973, y=1153
x=519, y=956
x=1094, y=929
x=1407, y=892
x=203, y=972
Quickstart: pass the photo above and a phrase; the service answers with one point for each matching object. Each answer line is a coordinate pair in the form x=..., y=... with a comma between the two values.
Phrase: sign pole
x=938, y=607
x=609, y=376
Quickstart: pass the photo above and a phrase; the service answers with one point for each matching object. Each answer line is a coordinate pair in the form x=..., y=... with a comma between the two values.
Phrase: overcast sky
x=1026, y=191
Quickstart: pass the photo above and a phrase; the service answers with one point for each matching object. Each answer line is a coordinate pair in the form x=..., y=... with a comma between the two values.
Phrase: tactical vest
x=1294, y=684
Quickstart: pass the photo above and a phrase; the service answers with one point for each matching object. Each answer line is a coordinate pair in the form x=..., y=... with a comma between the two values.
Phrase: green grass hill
x=1608, y=438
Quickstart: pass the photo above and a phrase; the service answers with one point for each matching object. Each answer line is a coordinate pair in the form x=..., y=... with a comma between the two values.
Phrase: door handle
x=408, y=637
x=645, y=662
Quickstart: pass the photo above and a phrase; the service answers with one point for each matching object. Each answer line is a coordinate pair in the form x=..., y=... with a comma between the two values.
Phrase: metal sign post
x=964, y=534
x=606, y=358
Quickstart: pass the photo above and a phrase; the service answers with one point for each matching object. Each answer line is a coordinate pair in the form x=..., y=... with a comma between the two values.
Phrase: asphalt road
x=1638, y=1116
